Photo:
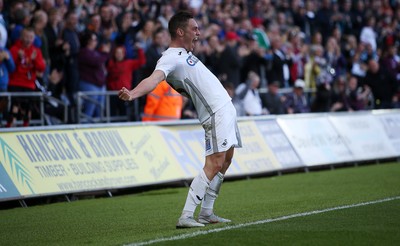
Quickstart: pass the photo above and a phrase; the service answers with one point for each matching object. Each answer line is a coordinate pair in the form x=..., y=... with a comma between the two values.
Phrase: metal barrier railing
x=105, y=110
x=38, y=99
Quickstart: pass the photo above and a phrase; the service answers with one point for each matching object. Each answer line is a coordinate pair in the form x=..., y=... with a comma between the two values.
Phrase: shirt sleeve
x=166, y=64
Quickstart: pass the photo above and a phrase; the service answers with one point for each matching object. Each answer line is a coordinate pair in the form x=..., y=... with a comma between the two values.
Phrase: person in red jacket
x=28, y=62
x=163, y=103
x=120, y=74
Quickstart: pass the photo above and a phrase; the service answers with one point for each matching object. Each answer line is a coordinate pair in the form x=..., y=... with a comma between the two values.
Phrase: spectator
x=7, y=66
x=92, y=73
x=237, y=102
x=368, y=34
x=248, y=92
x=340, y=99
x=299, y=56
x=106, y=16
x=296, y=101
x=58, y=51
x=153, y=53
x=391, y=61
x=47, y=5
x=166, y=13
x=3, y=27
x=231, y=61
x=39, y=22
x=28, y=61
x=10, y=14
x=324, y=18
x=309, y=25
x=57, y=47
x=213, y=52
x=145, y=35
x=128, y=28
x=256, y=59
x=22, y=20
x=163, y=104
x=335, y=60
x=383, y=86
x=280, y=63
x=357, y=96
x=94, y=25
x=359, y=65
x=314, y=66
x=358, y=17
x=263, y=35
x=272, y=100
x=349, y=50
x=322, y=101
x=64, y=6
x=70, y=37
x=347, y=19
x=119, y=75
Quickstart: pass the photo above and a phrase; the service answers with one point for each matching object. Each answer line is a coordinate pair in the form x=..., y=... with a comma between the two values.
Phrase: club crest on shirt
x=192, y=60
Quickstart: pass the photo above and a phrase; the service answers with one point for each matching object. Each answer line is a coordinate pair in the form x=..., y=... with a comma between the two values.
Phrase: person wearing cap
x=256, y=59
x=222, y=57
x=296, y=101
x=230, y=60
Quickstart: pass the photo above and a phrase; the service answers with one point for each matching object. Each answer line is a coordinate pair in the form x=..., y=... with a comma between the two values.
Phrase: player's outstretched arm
x=143, y=88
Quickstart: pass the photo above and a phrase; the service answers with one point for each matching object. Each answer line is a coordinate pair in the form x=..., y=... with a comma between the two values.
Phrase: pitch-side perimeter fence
x=48, y=110
x=71, y=159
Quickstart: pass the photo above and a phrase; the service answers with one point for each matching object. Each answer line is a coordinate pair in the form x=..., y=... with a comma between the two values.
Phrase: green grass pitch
x=152, y=215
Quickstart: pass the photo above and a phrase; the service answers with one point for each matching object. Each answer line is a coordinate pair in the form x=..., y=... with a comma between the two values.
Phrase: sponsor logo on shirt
x=192, y=60
x=208, y=144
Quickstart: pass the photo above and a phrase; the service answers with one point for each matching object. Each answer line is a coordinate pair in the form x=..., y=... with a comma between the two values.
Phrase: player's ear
x=180, y=31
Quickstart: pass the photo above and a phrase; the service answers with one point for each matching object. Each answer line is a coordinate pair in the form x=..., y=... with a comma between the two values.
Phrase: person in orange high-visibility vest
x=162, y=104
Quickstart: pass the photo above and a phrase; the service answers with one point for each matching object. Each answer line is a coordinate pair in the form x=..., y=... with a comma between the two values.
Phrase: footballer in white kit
x=190, y=77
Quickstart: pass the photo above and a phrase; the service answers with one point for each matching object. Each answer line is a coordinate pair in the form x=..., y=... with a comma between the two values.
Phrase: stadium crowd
x=273, y=56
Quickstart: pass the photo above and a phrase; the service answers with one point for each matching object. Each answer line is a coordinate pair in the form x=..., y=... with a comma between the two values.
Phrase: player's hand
x=125, y=94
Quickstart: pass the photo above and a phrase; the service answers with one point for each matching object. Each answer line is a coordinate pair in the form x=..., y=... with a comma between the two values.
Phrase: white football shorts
x=222, y=131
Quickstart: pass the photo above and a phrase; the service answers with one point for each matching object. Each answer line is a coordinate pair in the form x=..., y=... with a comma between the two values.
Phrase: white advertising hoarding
x=391, y=126
x=279, y=144
x=364, y=135
x=315, y=140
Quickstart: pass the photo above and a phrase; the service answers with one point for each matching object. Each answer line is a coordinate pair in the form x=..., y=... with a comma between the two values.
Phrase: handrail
x=105, y=116
x=42, y=99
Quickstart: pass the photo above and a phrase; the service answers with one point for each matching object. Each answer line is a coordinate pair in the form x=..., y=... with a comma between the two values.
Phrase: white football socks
x=196, y=194
x=211, y=194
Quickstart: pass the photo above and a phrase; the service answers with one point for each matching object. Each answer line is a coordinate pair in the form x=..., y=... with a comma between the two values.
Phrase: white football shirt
x=190, y=77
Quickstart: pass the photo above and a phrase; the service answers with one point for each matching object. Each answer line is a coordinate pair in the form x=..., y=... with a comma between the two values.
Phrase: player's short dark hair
x=179, y=20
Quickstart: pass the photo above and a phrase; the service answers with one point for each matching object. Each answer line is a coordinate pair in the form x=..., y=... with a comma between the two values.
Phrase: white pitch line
x=205, y=232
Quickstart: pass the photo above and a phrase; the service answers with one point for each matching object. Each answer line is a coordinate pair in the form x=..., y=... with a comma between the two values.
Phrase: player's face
x=192, y=34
